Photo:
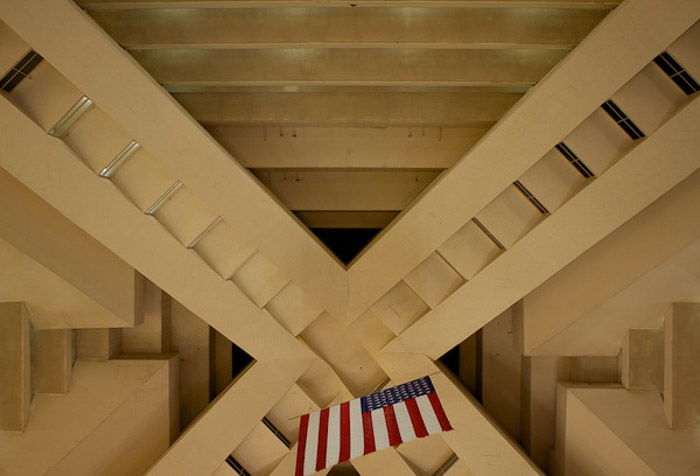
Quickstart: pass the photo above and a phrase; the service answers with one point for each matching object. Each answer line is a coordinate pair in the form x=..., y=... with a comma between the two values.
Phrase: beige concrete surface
x=592, y=448
x=190, y=340
x=458, y=28
x=653, y=237
x=320, y=334
x=595, y=212
x=15, y=366
x=626, y=433
x=52, y=301
x=78, y=259
x=682, y=365
x=225, y=424
x=115, y=420
x=98, y=344
x=180, y=142
x=641, y=359
x=53, y=354
x=517, y=146
x=347, y=147
x=153, y=334
x=213, y=298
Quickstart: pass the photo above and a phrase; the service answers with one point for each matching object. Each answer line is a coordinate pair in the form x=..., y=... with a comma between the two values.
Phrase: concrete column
x=220, y=362
x=15, y=371
x=641, y=360
x=53, y=355
x=682, y=365
x=470, y=364
x=190, y=340
x=538, y=405
x=502, y=369
x=98, y=344
x=153, y=336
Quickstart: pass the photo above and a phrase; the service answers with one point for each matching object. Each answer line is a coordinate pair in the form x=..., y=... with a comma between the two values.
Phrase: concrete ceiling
x=281, y=285
x=341, y=107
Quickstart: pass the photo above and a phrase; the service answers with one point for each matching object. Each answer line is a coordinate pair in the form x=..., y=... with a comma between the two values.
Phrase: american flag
x=361, y=426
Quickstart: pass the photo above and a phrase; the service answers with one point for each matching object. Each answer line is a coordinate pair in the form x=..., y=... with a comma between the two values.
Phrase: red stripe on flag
x=322, y=439
x=301, y=445
x=439, y=412
x=392, y=427
x=416, y=418
x=368, y=431
x=344, y=432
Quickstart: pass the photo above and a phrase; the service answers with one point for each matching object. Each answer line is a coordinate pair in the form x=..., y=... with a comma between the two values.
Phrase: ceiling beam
x=481, y=68
x=68, y=185
x=352, y=109
x=475, y=439
x=363, y=28
x=624, y=43
x=341, y=190
x=117, y=4
x=347, y=147
x=571, y=304
x=233, y=415
x=99, y=68
x=106, y=289
x=633, y=183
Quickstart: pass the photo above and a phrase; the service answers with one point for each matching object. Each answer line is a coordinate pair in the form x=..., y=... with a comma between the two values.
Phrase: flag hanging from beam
x=367, y=424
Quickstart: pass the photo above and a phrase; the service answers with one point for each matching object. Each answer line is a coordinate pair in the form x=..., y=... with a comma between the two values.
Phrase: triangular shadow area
x=345, y=243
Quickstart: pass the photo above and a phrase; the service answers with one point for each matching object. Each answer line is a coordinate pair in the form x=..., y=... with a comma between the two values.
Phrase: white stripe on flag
x=404, y=422
x=333, y=448
x=357, y=440
x=381, y=435
x=426, y=410
x=311, y=443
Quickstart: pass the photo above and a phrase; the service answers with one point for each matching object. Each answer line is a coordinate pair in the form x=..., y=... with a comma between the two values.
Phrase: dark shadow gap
x=346, y=243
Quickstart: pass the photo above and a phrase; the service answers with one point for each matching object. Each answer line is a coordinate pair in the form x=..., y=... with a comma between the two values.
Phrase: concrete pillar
x=594, y=369
x=682, y=365
x=98, y=344
x=53, y=354
x=15, y=361
x=154, y=334
x=502, y=369
x=538, y=405
x=470, y=364
x=641, y=360
x=190, y=340
x=220, y=362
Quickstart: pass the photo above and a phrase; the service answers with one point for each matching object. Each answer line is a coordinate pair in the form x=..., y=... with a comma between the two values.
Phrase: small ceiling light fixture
x=69, y=118
x=169, y=193
x=119, y=160
x=204, y=232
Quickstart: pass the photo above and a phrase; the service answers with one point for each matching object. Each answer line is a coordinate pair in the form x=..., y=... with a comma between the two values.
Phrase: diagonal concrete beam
x=228, y=420
x=569, y=314
x=618, y=48
x=66, y=36
x=643, y=175
x=476, y=438
x=52, y=171
x=104, y=290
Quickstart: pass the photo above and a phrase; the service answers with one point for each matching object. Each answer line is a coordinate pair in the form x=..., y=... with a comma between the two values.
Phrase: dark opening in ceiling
x=346, y=243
